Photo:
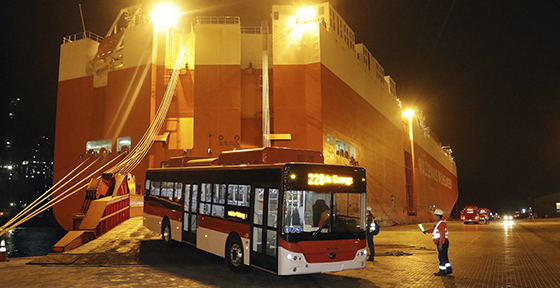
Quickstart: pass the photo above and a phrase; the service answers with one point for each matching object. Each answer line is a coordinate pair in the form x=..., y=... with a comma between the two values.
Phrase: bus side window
x=147, y=186
x=232, y=194
x=194, y=203
x=178, y=191
x=244, y=195
x=219, y=200
x=155, y=188
x=205, y=198
x=187, y=196
x=167, y=189
x=220, y=193
x=258, y=206
x=272, y=207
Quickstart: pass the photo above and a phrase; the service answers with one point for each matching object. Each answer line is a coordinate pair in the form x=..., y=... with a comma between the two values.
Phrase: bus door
x=264, y=236
x=190, y=215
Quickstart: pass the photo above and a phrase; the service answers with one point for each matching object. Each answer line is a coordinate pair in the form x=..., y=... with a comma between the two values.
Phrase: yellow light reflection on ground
x=508, y=224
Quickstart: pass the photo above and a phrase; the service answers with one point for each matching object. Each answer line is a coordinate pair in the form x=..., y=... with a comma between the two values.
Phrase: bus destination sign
x=320, y=179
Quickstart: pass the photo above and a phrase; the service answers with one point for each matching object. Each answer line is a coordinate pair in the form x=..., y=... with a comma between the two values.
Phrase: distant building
x=8, y=165
x=39, y=166
x=548, y=205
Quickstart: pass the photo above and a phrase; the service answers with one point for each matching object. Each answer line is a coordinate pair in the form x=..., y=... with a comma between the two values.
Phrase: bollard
x=3, y=251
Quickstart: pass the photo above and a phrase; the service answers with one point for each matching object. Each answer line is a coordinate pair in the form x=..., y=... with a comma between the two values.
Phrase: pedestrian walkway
x=119, y=246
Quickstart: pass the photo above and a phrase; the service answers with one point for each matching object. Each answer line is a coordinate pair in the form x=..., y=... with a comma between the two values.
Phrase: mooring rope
x=58, y=197
x=140, y=151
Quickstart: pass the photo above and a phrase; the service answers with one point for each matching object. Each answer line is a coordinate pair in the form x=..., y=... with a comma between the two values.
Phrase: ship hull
x=326, y=93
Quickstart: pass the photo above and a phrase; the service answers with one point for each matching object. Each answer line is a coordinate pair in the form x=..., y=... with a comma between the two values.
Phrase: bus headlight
x=361, y=253
x=296, y=257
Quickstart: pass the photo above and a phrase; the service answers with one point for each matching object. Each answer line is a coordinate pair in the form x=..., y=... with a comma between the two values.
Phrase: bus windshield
x=310, y=211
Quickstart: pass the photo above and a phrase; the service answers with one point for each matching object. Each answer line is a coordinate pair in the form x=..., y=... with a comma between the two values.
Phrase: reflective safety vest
x=372, y=227
x=436, y=234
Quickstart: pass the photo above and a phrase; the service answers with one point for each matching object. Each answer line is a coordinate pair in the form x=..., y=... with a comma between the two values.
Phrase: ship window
x=330, y=140
x=321, y=10
x=276, y=15
x=97, y=145
x=123, y=142
x=558, y=207
x=342, y=148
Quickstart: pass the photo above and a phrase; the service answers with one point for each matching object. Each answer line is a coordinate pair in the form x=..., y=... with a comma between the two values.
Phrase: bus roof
x=267, y=155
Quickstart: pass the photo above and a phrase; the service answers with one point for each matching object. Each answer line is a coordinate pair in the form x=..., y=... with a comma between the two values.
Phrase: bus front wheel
x=234, y=255
x=166, y=232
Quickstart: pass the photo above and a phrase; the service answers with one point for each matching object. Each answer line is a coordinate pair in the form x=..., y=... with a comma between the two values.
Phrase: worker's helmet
x=368, y=208
x=438, y=212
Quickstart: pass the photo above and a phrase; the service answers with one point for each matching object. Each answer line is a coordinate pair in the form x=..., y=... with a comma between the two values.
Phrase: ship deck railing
x=83, y=35
x=218, y=20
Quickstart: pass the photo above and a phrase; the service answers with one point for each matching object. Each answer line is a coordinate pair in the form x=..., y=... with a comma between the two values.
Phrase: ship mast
x=265, y=103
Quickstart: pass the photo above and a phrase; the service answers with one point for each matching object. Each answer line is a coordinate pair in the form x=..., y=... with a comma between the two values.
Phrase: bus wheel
x=234, y=255
x=166, y=232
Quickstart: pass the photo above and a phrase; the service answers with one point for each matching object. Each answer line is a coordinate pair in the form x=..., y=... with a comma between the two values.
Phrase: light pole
x=411, y=201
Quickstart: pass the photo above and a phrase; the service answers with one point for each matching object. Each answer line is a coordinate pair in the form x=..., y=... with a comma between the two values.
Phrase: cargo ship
x=297, y=81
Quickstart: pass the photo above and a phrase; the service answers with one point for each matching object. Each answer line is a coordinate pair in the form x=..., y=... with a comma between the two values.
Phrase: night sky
x=486, y=74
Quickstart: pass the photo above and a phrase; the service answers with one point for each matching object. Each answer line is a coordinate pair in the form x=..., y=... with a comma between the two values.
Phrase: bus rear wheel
x=234, y=255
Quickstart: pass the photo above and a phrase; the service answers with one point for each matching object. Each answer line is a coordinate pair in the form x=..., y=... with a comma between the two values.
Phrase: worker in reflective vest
x=440, y=235
x=372, y=230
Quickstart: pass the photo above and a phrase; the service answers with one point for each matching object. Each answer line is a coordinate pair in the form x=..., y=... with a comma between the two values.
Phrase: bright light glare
x=165, y=13
x=508, y=223
x=408, y=113
x=305, y=15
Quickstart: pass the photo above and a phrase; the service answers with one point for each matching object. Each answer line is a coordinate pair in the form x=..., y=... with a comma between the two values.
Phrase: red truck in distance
x=470, y=214
x=484, y=214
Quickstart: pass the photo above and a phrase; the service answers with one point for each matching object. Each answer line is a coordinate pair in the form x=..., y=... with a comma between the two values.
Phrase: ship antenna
x=82, y=15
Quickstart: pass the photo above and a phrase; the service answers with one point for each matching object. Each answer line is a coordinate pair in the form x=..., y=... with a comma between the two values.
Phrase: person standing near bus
x=372, y=230
x=440, y=235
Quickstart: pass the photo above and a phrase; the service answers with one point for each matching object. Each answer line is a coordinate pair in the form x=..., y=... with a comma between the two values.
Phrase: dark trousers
x=370, y=245
x=444, y=264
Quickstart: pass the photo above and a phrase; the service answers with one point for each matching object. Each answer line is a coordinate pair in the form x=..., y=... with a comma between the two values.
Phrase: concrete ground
x=521, y=253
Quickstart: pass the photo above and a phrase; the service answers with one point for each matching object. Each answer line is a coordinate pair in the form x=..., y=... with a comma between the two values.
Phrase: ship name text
x=427, y=170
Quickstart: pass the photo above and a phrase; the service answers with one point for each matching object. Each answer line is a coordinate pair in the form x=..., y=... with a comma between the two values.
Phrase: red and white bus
x=264, y=215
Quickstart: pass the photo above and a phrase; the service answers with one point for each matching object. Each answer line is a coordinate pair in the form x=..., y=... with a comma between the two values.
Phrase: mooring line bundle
x=143, y=147
x=29, y=213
